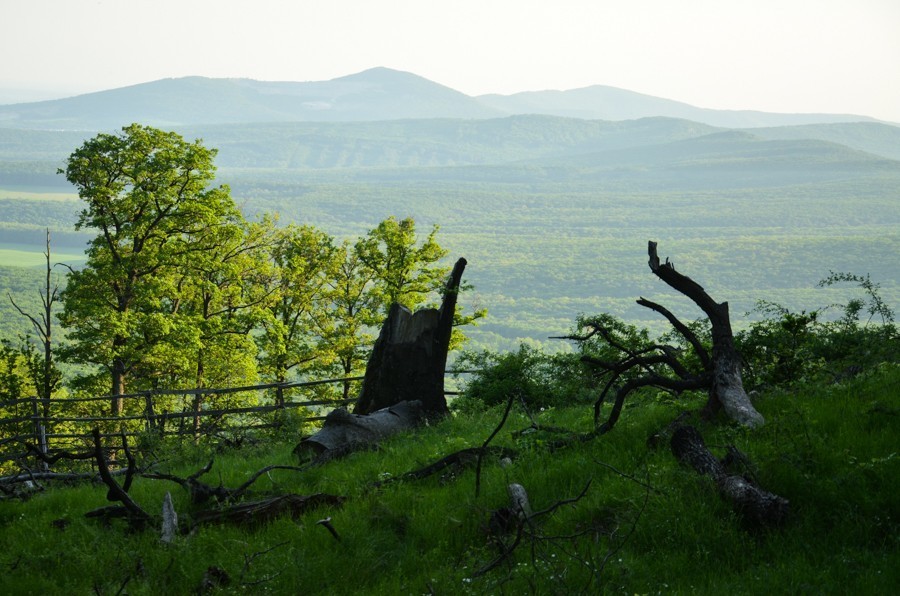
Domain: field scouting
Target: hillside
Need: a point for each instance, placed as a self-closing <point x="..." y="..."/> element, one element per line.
<point x="371" y="95"/>
<point x="376" y="94"/>
<point x="610" y="103"/>
<point x="617" y="515"/>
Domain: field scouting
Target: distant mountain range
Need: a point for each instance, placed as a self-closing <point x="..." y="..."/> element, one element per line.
<point x="377" y="94"/>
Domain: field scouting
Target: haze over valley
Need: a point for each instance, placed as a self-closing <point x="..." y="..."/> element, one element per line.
<point x="551" y="196"/>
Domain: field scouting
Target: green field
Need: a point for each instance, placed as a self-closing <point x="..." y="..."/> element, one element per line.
<point x="37" y="195"/>
<point x="644" y="525"/>
<point x="21" y="255"/>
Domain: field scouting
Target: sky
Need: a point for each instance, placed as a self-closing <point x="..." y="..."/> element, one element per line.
<point x="834" y="56"/>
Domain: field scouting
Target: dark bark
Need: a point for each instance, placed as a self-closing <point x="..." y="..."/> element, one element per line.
<point x="410" y="355"/>
<point x="759" y="508"/>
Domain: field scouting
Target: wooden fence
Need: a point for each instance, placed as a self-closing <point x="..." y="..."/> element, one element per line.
<point x="147" y="418"/>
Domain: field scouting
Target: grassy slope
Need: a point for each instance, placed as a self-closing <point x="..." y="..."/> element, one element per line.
<point x="830" y="450"/>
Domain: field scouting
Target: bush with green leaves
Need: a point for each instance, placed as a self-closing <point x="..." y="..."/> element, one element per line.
<point x="787" y="348"/>
<point x="539" y="380"/>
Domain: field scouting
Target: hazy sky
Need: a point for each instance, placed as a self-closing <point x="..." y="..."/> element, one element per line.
<point x="773" y="55"/>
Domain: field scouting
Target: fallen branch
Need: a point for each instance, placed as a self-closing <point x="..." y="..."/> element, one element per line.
<point x="201" y="492"/>
<point x="458" y="460"/>
<point x="519" y="512"/>
<point x="758" y="507"/>
<point x="258" y="512"/>
<point x="137" y="516"/>
<point x="484" y="445"/>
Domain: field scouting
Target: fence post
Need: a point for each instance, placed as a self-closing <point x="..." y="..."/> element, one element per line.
<point x="40" y="433"/>
<point x="149" y="414"/>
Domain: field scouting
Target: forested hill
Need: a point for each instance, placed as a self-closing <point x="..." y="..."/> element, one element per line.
<point x="553" y="213"/>
<point x="371" y="95"/>
<point x="31" y="157"/>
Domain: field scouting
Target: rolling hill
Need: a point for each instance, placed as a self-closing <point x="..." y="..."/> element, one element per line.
<point x="371" y="95"/>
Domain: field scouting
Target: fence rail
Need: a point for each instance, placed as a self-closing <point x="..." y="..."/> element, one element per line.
<point x="155" y="421"/>
<point x="40" y="433"/>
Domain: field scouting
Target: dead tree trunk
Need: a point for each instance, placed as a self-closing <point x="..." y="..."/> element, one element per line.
<point x="344" y="432"/>
<point x="404" y="381"/>
<point x="410" y="355"/>
<point x="727" y="388"/>
<point x="758" y="507"/>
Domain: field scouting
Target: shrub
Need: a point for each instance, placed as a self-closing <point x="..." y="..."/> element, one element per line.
<point x="538" y="379"/>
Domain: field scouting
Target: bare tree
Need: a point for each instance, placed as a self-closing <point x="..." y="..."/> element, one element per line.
<point x="664" y="367"/>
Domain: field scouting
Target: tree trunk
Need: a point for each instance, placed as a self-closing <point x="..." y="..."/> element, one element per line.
<point x="410" y="355"/>
<point x="118" y="386"/>
<point x="727" y="389"/>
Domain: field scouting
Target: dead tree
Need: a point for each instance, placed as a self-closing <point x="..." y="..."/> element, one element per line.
<point x="660" y="365"/>
<point x="410" y="355"/>
<point x="404" y="381"/>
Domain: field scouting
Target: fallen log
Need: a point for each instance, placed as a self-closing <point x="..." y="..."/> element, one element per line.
<point x="344" y="432"/>
<point x="758" y="508"/>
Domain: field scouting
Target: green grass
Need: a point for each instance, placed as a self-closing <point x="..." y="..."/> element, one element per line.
<point x="831" y="450"/>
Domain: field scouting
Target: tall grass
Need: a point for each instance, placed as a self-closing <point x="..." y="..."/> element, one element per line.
<point x="645" y="525"/>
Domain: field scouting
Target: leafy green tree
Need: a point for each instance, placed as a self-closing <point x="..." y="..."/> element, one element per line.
<point x="223" y="298"/>
<point x="786" y="348"/>
<point x="408" y="272"/>
<point x="351" y="313"/>
<point x="148" y="194"/>
<point x="402" y="270"/>
<point x="304" y="264"/>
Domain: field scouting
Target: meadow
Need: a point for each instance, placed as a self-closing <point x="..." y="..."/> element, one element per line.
<point x="644" y="524"/>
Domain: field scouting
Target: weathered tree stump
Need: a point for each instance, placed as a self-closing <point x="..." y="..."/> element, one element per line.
<point x="404" y="381"/>
<point x="409" y="357"/>
<point x="758" y="507"/>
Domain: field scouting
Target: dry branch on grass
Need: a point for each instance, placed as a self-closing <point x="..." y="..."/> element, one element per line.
<point x="128" y="508"/>
<point x="457" y="461"/>
<point x="259" y="512"/>
<point x="201" y="492"/>
<point x="758" y="507"/>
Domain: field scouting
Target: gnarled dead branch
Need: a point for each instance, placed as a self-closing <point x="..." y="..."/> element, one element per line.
<point x="663" y="366"/>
